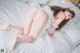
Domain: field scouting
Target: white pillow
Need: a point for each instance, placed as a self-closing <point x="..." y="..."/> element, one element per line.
<point x="73" y="32"/>
<point x="77" y="50"/>
<point x="78" y="25"/>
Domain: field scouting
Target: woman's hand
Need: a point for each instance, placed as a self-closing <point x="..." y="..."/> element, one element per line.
<point x="51" y="31"/>
<point x="56" y="23"/>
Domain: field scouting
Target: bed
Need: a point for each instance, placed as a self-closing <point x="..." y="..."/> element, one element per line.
<point x="9" y="12"/>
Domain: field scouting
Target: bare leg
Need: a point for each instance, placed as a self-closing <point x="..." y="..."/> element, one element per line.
<point x="29" y="19"/>
<point x="16" y="29"/>
<point x="12" y="28"/>
<point x="4" y="26"/>
<point x="11" y="44"/>
<point x="8" y="26"/>
<point x="39" y="21"/>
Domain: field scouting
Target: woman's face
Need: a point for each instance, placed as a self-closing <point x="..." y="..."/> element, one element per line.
<point x="68" y="15"/>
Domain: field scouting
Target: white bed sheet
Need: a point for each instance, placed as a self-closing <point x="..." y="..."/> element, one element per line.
<point x="9" y="12"/>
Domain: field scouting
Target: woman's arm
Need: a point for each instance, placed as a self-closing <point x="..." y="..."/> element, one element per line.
<point x="38" y="22"/>
<point x="56" y="23"/>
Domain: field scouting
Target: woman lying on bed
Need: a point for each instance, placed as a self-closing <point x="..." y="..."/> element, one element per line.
<point x="36" y="19"/>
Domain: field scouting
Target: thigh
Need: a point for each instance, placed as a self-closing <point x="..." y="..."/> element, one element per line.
<point x="39" y="21"/>
<point x="29" y="19"/>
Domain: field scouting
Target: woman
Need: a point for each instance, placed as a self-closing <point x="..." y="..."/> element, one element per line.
<point x="35" y="21"/>
<point x="62" y="16"/>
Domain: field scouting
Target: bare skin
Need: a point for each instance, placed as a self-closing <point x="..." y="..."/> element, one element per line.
<point x="31" y="23"/>
<point x="59" y="18"/>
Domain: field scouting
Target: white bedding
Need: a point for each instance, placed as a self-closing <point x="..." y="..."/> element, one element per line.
<point x="77" y="50"/>
<point x="10" y="12"/>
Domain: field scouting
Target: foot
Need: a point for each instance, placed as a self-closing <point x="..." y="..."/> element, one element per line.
<point x="11" y="44"/>
<point x="4" y="26"/>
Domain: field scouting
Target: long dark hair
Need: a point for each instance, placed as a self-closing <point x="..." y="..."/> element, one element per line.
<point x="56" y="10"/>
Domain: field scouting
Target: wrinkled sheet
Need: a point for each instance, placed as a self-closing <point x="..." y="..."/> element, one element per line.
<point x="14" y="13"/>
